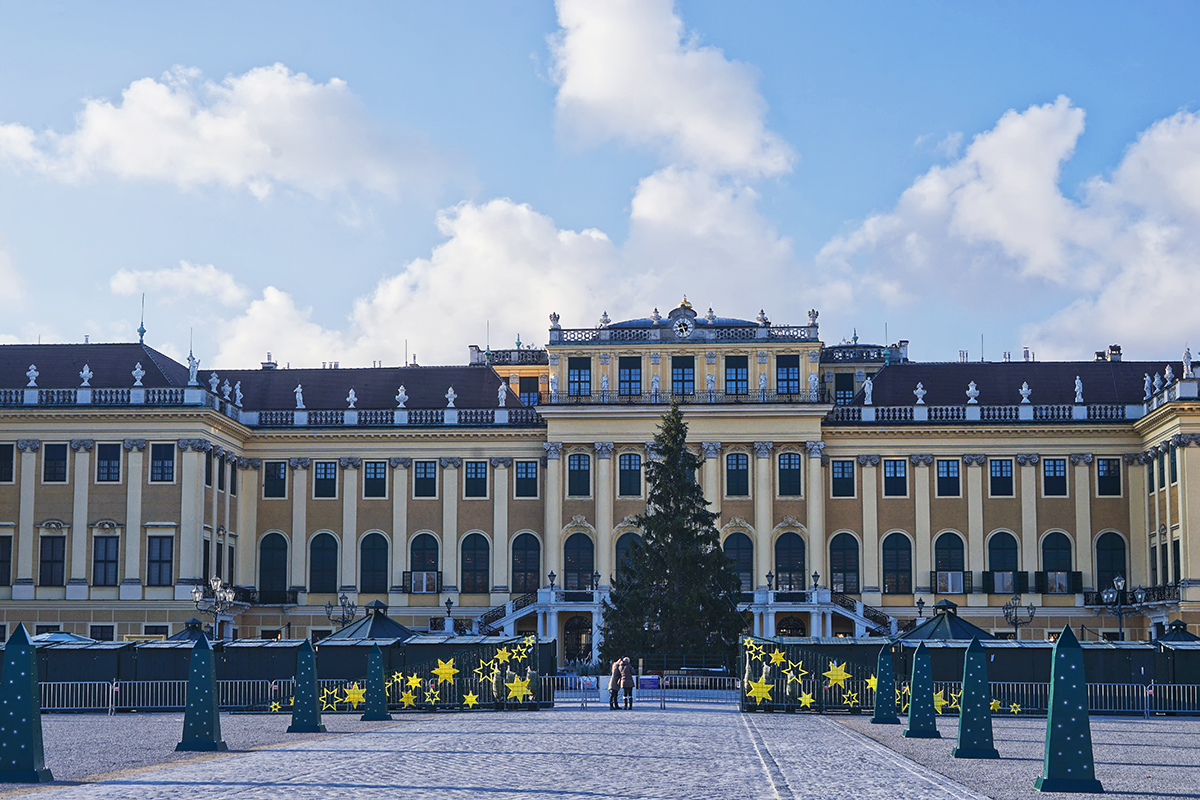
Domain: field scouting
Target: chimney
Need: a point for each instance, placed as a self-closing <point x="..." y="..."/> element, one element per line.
<point x="1025" y="353"/>
<point x="1114" y="352"/>
<point x="903" y="351"/>
<point x="269" y="363"/>
<point x="1101" y="355"/>
<point x="1007" y="356"/>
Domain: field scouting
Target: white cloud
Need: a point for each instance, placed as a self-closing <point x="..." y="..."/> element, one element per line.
<point x="186" y="280"/>
<point x="626" y="71"/>
<point x="266" y="128"/>
<point x="11" y="281"/>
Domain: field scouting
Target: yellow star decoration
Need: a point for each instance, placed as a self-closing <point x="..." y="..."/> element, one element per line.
<point x="806" y="700"/>
<point x="837" y="675"/>
<point x="530" y="640"/>
<point x="408" y="699"/>
<point x="777" y="657"/>
<point x="291" y="701"/>
<point x="955" y="698"/>
<point x="329" y="700"/>
<point x="792" y="677"/>
<point x="445" y="671"/>
<point x="797" y="667"/>
<point x="760" y="690"/>
<point x="753" y="649"/>
<point x="397" y="677"/>
<point x="485" y="670"/>
<point x="431" y="696"/>
<point x="519" y="689"/>
<point x="851" y="698"/>
<point x="387" y="684"/>
<point x="995" y="705"/>
<point x="938" y="701"/>
<point x="414" y="681"/>
<point x="355" y="696"/>
<point x="470" y="700"/>
<point x="502" y="655"/>
<point x="1015" y="708"/>
<point x="906" y="689"/>
<point x="275" y="707"/>
<point x="872" y="683"/>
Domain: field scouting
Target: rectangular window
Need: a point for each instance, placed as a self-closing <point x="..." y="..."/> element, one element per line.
<point x="629" y="376"/>
<point x="737" y="375"/>
<point x="1153" y="565"/>
<point x="1164" y="563"/>
<point x="233" y="478"/>
<point x="1162" y="470"/>
<point x="220" y="552"/>
<point x="1150" y="477"/>
<point x="40" y="629"/>
<point x="1108" y="477"/>
<point x="842" y="473"/>
<point x="1001" y="477"/>
<point x="325" y="479"/>
<point x="895" y="478"/>
<point x="7" y="456"/>
<point x="947" y="478"/>
<point x="1174" y="465"/>
<point x="162" y="463"/>
<point x="275" y="479"/>
<point x="579" y="475"/>
<point x="629" y="475"/>
<point x="54" y="463"/>
<point x="101" y="633"/>
<point x="108" y="463"/>
<point x="206" y="558"/>
<point x="424" y="479"/>
<point x="843" y="387"/>
<point x="1054" y="477"/>
<point x="220" y="474"/>
<point x="475" y="479"/>
<point x="787" y="374"/>
<point x="230" y="564"/>
<point x="683" y="375"/>
<point x="5" y="561"/>
<point x="949" y="583"/>
<point x="737" y="475"/>
<point x="1176" y="568"/>
<point x="53" y="561"/>
<point x="1058" y="582"/>
<point x="156" y="630"/>
<point x="208" y="468"/>
<point x="579" y="376"/>
<point x="789" y="475"/>
<point x="160" y="551"/>
<point x="104" y="561"/>
<point x="374" y="479"/>
<point x="530" y="390"/>
<point x="526" y="479"/>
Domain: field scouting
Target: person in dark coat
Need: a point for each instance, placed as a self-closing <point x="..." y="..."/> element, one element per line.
<point x="627" y="682"/>
<point x="614" y="685"/>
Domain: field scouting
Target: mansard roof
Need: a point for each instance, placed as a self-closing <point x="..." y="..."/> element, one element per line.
<point x="999" y="383"/>
<point x="111" y="365"/>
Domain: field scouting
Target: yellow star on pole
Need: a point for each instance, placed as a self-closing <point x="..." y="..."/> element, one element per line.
<point x="414" y="681"/>
<point x="432" y="697"/>
<point x="445" y="671"/>
<point x="851" y="698"/>
<point x="329" y="700"/>
<point x="484" y="670"/>
<point x="806" y="700"/>
<point x="275" y="706"/>
<point x="872" y="683"/>
<point x="760" y="690"/>
<point x="355" y="696"/>
<point x="995" y="705"/>
<point x="777" y="657"/>
<point x="519" y="688"/>
<point x="502" y="655"/>
<point x="837" y="675"/>
<point x="939" y="700"/>
<point x="798" y="668"/>
<point x="408" y="699"/>
<point x="470" y="700"/>
<point x="1015" y="708"/>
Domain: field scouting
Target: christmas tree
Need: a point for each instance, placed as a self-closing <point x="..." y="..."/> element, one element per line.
<point x="376" y="692"/>
<point x="921" y="722"/>
<point x="21" y="757"/>
<point x="202" y="718"/>
<point x="885" y="689"/>
<point x="975" y="707"/>
<point x="306" y="714"/>
<point x="676" y="592"/>
<point x="1068" y="765"/>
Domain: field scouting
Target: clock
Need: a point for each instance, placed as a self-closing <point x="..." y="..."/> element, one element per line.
<point x="683" y="327"/>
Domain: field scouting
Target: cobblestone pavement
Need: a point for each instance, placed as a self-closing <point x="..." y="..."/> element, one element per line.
<point x="694" y="751"/>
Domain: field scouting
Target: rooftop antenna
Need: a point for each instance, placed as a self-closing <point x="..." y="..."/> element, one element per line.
<point x="487" y="339"/>
<point x="406" y="352"/>
<point x="142" y="325"/>
<point x="981" y="347"/>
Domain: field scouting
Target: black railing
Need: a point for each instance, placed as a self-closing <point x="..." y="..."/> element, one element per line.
<point x="1154" y="594"/>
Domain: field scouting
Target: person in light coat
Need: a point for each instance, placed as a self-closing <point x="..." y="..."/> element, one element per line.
<point x="614" y="685"/>
<point x="627" y="682"/>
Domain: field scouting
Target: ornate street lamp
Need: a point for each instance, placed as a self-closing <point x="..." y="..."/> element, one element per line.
<point x="816" y="579"/>
<point x="1017" y="616"/>
<point x="595" y="581"/>
<point x="770" y="579"/>
<point x="219" y="605"/>
<point x="920" y="606"/>
<point x="552" y="576"/>
<point x="345" y="611"/>
<point x="1114" y="600"/>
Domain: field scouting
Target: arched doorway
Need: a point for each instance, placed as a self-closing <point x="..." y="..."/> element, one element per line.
<point x="578" y="563"/>
<point x="526" y="563"/>
<point x="577" y="640"/>
<point x="740" y="550"/>
<point x="322" y="570"/>
<point x="791" y="626"/>
<point x="374" y="570"/>
<point x="272" y="569"/>
<point x="789" y="562"/>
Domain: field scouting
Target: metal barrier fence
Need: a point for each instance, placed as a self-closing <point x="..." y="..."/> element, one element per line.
<point x="699" y="689"/>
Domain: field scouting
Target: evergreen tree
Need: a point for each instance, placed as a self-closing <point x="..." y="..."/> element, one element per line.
<point x="676" y="593"/>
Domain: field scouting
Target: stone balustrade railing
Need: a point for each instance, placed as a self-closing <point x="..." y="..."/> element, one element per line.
<point x="1094" y="412"/>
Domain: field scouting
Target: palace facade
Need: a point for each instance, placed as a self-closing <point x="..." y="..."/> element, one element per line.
<point x="853" y="484"/>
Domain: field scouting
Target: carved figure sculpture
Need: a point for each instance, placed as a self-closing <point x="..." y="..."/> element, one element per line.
<point x="655" y="385"/>
<point x="710" y="383"/>
<point x="237" y="394"/>
<point x="1168" y="375"/>
<point x="553" y="383"/>
<point x="1147" y="388"/>
<point x="193" y="368"/>
<point x="1188" y="374"/>
<point x="299" y="392"/>
<point x="1158" y="384"/>
<point x="1078" y="390"/>
<point x="502" y="394"/>
<point x="868" y="388"/>
<point x="213" y="380"/>
<point x="604" y="383"/>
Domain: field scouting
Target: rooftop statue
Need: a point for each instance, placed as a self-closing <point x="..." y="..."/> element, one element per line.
<point x="1024" y="391"/>
<point x="1147" y="388"/>
<point x="86" y="374"/>
<point x="1078" y="390"/>
<point x="299" y="392"/>
<point x="237" y="394"/>
<point x="401" y="397"/>
<point x="226" y="388"/>
<point x="972" y="394"/>
<point x="138" y="373"/>
<point x="502" y="394"/>
<point x="920" y="393"/>
<point x="32" y="374"/>
<point x="1187" y="364"/>
<point x="193" y="368"/>
<point x="868" y="388"/>
<point x="351" y="398"/>
<point x="450" y="397"/>
<point x="213" y="380"/>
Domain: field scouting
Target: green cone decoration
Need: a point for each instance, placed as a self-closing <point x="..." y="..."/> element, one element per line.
<point x="1068" y="764"/>
<point x="975" y="704"/>
<point x="202" y="719"/>
<point x="921" y="721"/>
<point x="306" y="714"/>
<point x="376" y="694"/>
<point x="22" y="759"/>
<point x="885" y="689"/>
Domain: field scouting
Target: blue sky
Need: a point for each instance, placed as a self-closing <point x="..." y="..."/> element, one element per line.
<point x="340" y="182"/>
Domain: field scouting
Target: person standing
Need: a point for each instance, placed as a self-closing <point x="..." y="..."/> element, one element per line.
<point x="627" y="682"/>
<point x="614" y="685"/>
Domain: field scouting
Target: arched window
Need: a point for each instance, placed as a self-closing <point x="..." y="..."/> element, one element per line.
<point x="475" y="563"/>
<point x="740" y="550"/>
<point x="374" y="564"/>
<point x="625" y="544"/>
<point x="577" y="562"/>
<point x="577" y="640"/>
<point x="843" y="564"/>
<point x="526" y="563"/>
<point x="789" y="562"/>
<point x="1002" y="561"/>
<point x="1056" y="563"/>
<point x="272" y="569"/>
<point x="948" y="564"/>
<point x="897" y="564"/>
<point x="1110" y="559"/>
<point x="791" y="626"/>
<point x="424" y="553"/>
<point x="323" y="564"/>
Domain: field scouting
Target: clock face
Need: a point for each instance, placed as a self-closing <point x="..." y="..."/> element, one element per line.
<point x="684" y="327"/>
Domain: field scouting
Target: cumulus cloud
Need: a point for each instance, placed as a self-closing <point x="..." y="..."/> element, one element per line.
<point x="10" y="279"/>
<point x="266" y="128"/>
<point x="627" y="70"/>
<point x="186" y="280"/>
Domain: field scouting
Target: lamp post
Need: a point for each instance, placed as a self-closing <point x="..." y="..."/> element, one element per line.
<point x="595" y="581"/>
<point x="770" y="580"/>
<point x="1114" y="600"/>
<point x="219" y="605"/>
<point x="345" y="611"/>
<point x="551" y="576"/>
<point x="816" y="576"/>
<point x="920" y="606"/>
<point x="1017" y="616"/>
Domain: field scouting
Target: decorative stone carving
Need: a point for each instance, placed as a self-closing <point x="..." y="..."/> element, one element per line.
<point x="86" y="374"/>
<point x="502" y="394"/>
<point x="82" y="444"/>
<point x="1076" y="458"/>
<point x="553" y="383"/>
<point x="1146" y="388"/>
<point x="1027" y="458"/>
<point x="921" y="459"/>
<point x="604" y="384"/>
<point x="655" y="388"/>
<point x="1158" y="384"/>
<point x="763" y="383"/>
<point x="399" y="461"/>
<point x="870" y="458"/>
<point x="299" y="392"/>
<point x="299" y="463"/>
<point x="137" y="444"/>
<point x="1024" y="391"/>
<point x="231" y="456"/>
<point x="52" y="525"/>
<point x="761" y="319"/>
<point x="710" y="385"/>
<point x="763" y="449"/>
<point x="604" y="450"/>
<point x="656" y="358"/>
<point x="554" y="320"/>
<point x="710" y="450"/>
<point x="604" y="320"/>
<point x="32" y="374"/>
<point x="351" y="399"/>
<point x="920" y="393"/>
<point x="579" y="521"/>
<point x="1132" y="458"/>
<point x="552" y="359"/>
<point x="605" y="358"/>
<point x="789" y="522"/>
<point x="213" y="380"/>
<point x="249" y="463"/>
<point x="237" y="394"/>
<point x="815" y="449"/>
<point x="553" y="449"/>
<point x="762" y="357"/>
<point x="30" y="445"/>
<point x="226" y="388"/>
<point x="451" y="396"/>
<point x="868" y="389"/>
<point x="106" y="525"/>
<point x="812" y="316"/>
<point x="198" y="445"/>
<point x="218" y="452"/>
<point x="401" y="397"/>
<point x="1168" y="376"/>
<point x="350" y="462"/>
<point x="1078" y="390"/>
<point x="710" y="357"/>
<point x="813" y="385"/>
<point x="501" y="461"/>
<point x="972" y="394"/>
<point x="656" y="317"/>
<point x="974" y="458"/>
<point x="737" y="523"/>
<point x="193" y="368"/>
<point x="1188" y="374"/>
<point x="450" y="462"/>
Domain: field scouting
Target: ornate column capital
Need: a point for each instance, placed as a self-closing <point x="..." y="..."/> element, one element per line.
<point x="604" y="450"/>
<point x="1076" y="458"/>
<point x="198" y="445"/>
<point x="299" y="463"/>
<point x="553" y="449"/>
<point x="710" y="450"/>
<point x="399" y="461"/>
<point x="976" y="458"/>
<point x="871" y="458"/>
<point x="83" y="444"/>
<point x="137" y="444"/>
<point x="448" y="462"/>
<point x="501" y="462"/>
<point x="350" y="462"/>
<point x="249" y="463"/>
<point x="815" y="449"/>
<point x="1027" y="458"/>
<point x="921" y="459"/>
<point x="763" y="449"/>
<point x="31" y="445"/>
